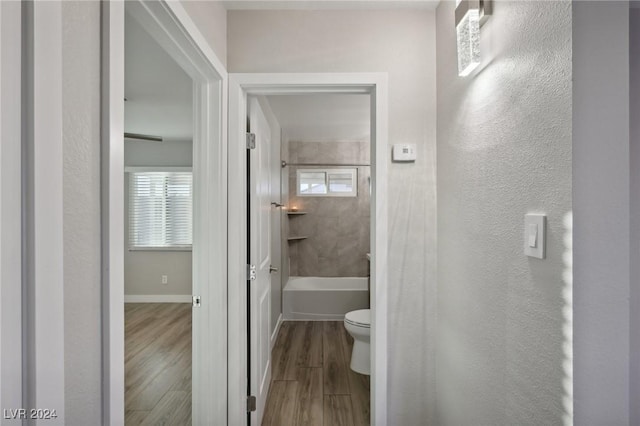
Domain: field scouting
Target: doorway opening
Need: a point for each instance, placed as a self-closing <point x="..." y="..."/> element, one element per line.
<point x="167" y="25"/>
<point x="250" y="336"/>
<point x="158" y="188"/>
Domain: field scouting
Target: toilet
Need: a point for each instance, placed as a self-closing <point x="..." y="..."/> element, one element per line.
<point x="358" y="324"/>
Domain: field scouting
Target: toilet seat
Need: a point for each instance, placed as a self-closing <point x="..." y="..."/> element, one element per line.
<point x="359" y="318"/>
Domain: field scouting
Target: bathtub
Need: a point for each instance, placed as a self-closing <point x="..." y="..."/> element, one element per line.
<point x="320" y="298"/>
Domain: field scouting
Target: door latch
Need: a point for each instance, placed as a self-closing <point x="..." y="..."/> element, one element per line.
<point x="196" y="301"/>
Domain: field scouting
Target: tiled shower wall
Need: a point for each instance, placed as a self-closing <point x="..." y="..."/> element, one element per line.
<point x="337" y="228"/>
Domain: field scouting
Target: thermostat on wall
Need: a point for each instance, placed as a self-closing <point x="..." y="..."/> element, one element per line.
<point x="404" y="152"/>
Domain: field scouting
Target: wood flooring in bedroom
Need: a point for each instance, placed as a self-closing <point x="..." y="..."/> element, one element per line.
<point x="311" y="382"/>
<point x="157" y="364"/>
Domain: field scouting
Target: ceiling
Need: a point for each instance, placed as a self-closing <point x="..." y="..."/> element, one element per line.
<point x="323" y="117"/>
<point x="159" y="93"/>
<point x="329" y="4"/>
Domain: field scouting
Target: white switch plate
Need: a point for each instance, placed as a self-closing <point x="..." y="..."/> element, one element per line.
<point x="535" y="232"/>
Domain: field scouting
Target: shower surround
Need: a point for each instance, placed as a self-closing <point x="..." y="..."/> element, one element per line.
<point x="337" y="228"/>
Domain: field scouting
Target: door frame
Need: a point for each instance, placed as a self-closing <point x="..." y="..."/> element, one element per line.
<point x="11" y="214"/>
<point x="170" y="25"/>
<point x="240" y="86"/>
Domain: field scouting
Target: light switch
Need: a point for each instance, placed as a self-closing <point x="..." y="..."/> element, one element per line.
<point x="534" y="235"/>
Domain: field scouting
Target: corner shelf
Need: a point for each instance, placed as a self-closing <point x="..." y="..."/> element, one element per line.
<point x="297" y="238"/>
<point x="295" y="213"/>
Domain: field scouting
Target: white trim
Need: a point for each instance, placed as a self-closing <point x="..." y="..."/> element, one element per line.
<point x="45" y="280"/>
<point x="112" y="183"/>
<point x="171" y="248"/>
<point x="274" y="335"/>
<point x="169" y="24"/>
<point x="144" y="169"/>
<point x="157" y="298"/>
<point x="240" y="85"/>
<point x="10" y="205"/>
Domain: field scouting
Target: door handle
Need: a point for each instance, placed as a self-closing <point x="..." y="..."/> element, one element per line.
<point x="276" y="205"/>
<point x="272" y="269"/>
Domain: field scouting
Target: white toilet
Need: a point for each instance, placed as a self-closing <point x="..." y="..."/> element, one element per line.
<point x="358" y="324"/>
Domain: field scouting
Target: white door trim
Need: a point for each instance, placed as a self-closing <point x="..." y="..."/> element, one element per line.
<point x="43" y="211"/>
<point x="240" y="85"/>
<point x="170" y="25"/>
<point x="10" y="205"/>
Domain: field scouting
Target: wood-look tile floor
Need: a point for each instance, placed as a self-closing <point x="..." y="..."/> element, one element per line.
<point x="311" y="382"/>
<point x="157" y="364"/>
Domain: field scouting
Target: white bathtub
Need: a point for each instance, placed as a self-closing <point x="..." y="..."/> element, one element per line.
<point x="319" y="298"/>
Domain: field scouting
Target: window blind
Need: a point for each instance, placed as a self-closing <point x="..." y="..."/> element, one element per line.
<point x="160" y="209"/>
<point x="327" y="182"/>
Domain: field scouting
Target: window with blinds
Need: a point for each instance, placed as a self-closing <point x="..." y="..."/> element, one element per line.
<point x="160" y="210"/>
<point x="327" y="182"/>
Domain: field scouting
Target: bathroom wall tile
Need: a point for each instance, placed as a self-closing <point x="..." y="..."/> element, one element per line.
<point x="308" y="152"/>
<point x="338" y="228"/>
<point x="325" y="238"/>
<point x="325" y="267"/>
<point x="364" y="152"/>
<point x="293" y="256"/>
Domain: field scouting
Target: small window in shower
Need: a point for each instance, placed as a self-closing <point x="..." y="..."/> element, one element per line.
<point x="327" y="182"/>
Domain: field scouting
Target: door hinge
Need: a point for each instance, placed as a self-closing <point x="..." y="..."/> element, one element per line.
<point x="251" y="272"/>
<point x="251" y="141"/>
<point x="251" y="403"/>
<point x="196" y="301"/>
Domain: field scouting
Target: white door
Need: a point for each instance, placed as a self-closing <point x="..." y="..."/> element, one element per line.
<point x="276" y="234"/>
<point x="259" y="255"/>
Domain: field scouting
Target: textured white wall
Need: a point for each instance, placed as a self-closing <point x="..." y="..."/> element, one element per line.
<point x="401" y="43"/>
<point x="81" y="180"/>
<point x="634" y="141"/>
<point x="81" y="127"/>
<point x="601" y="212"/>
<point x="504" y="149"/>
<point x="211" y="19"/>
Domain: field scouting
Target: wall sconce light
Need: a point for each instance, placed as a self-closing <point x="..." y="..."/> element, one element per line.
<point x="470" y="15"/>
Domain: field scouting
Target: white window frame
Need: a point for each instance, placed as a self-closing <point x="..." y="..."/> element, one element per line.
<point x="327" y="172"/>
<point x="174" y="247"/>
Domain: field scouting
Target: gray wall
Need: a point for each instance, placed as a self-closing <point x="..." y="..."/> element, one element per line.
<point x="211" y="19"/>
<point x="401" y="43"/>
<point x="504" y="150"/>
<point x="338" y="228"/>
<point x="81" y="127"/>
<point x="634" y="140"/>
<point x="81" y="192"/>
<point x="601" y="184"/>
<point x="143" y="270"/>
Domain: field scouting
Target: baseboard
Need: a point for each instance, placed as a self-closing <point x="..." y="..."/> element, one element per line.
<point x="157" y="298"/>
<point x="274" y="335"/>
<point x="304" y="316"/>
